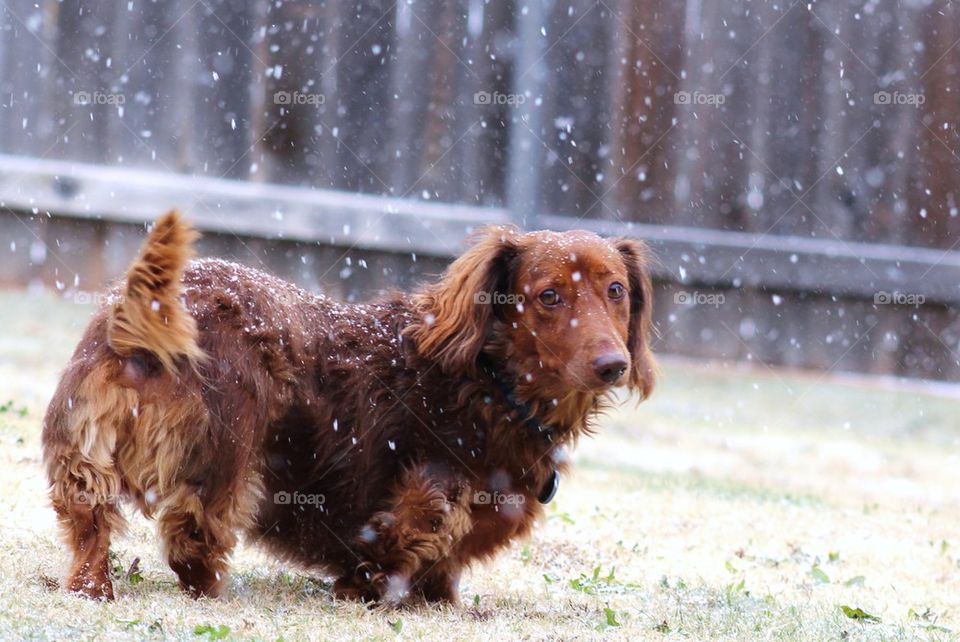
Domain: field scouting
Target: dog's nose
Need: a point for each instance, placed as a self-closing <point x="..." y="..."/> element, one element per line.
<point x="610" y="367"/>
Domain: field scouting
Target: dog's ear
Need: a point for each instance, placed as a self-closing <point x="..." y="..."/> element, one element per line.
<point x="456" y="314"/>
<point x="643" y="368"/>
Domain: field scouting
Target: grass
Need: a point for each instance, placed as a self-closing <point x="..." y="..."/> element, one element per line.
<point x="739" y="503"/>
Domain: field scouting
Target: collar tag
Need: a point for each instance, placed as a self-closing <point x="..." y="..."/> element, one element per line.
<point x="549" y="490"/>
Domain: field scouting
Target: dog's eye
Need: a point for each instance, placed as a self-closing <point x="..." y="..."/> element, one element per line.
<point x="616" y="291"/>
<point x="549" y="297"/>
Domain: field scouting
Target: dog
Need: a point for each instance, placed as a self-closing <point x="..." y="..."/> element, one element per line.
<point x="389" y="445"/>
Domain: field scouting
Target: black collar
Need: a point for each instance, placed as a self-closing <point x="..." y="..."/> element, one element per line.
<point x="523" y="411"/>
<point x="533" y="423"/>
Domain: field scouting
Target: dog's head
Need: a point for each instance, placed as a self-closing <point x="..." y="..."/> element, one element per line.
<point x="570" y="311"/>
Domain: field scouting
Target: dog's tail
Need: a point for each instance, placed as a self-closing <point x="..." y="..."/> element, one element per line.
<point x="150" y="315"/>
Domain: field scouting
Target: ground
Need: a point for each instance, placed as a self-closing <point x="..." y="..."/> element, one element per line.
<point x="739" y="503"/>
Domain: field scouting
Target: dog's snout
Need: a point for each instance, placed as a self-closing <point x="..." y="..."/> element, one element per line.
<point x="610" y="367"/>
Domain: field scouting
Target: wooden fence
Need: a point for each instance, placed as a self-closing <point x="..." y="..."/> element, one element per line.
<point x="795" y="158"/>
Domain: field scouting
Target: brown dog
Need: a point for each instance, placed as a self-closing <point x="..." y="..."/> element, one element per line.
<point x="388" y="444"/>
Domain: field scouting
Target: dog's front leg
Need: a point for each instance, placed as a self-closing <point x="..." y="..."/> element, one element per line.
<point x="409" y="547"/>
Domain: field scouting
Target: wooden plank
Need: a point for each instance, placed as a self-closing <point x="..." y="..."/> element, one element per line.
<point x="527" y="157"/>
<point x="20" y="251"/>
<point x="149" y="59"/>
<point x="574" y="122"/>
<point x="30" y="96"/>
<point x="221" y="64"/>
<point x="934" y="213"/>
<point x="89" y="101"/>
<point x="485" y="148"/>
<point x="643" y="84"/>
<point x="299" y="106"/>
<point x="363" y="36"/>
<point x="427" y="116"/>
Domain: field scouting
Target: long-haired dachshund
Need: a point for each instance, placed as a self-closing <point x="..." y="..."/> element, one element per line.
<point x="389" y="444"/>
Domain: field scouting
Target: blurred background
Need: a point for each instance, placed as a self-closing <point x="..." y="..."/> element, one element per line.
<point x="792" y="164"/>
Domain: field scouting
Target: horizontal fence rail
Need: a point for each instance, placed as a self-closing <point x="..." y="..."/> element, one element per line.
<point x="684" y="255"/>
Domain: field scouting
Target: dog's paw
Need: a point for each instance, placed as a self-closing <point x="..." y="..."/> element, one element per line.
<point x="376" y="588"/>
<point x="210" y="590"/>
<point x="440" y="588"/>
<point x="199" y="580"/>
<point x="347" y="588"/>
<point x="90" y="587"/>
